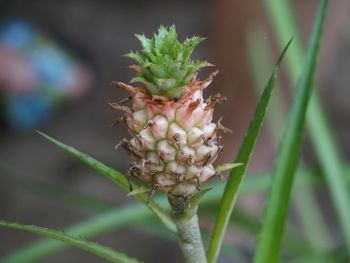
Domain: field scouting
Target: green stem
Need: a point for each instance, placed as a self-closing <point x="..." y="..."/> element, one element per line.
<point x="189" y="235"/>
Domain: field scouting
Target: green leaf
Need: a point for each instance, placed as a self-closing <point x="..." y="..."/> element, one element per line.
<point x="51" y="191"/>
<point x="132" y="213"/>
<point x="145" y="42"/>
<point x="275" y="214"/>
<point x="107" y="171"/>
<point x="245" y="221"/>
<point x="94" y="226"/>
<point x="95" y="248"/>
<point x="260" y="56"/>
<point x="194" y="202"/>
<point x="312" y="223"/>
<point x="189" y="45"/>
<point x="227" y="166"/>
<point x="234" y="181"/>
<point x="320" y="129"/>
<point x="142" y="189"/>
<point x="135" y="56"/>
<point x="117" y="178"/>
<point x="164" y="57"/>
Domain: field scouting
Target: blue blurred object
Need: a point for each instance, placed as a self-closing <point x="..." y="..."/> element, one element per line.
<point x="56" y="70"/>
<point x="29" y="110"/>
<point x="36" y="75"/>
<point x="16" y="34"/>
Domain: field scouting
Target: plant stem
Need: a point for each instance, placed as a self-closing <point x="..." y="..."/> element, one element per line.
<point x="189" y="235"/>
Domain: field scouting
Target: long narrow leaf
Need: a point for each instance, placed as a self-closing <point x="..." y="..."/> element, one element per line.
<point x="117" y="178"/>
<point x="233" y="184"/>
<point x="269" y="242"/>
<point x="94" y="226"/>
<point x="248" y="223"/>
<point x="320" y="130"/>
<point x="92" y="247"/>
<point x="261" y="61"/>
<point x="53" y="192"/>
<point x="132" y="213"/>
<point x="313" y="223"/>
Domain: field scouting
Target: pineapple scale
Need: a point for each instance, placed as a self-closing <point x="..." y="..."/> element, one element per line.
<point x="174" y="142"/>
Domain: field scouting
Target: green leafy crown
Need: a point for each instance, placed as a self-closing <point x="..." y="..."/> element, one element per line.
<point x="165" y="67"/>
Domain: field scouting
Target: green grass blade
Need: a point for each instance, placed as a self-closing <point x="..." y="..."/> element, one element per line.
<point x="313" y="223"/>
<point x="103" y="223"/>
<point x="92" y="247"/>
<point x="236" y="176"/>
<point x="52" y="192"/>
<point x="294" y="243"/>
<point x="117" y="178"/>
<point x="269" y="242"/>
<point x="136" y="212"/>
<point x="314" y="226"/>
<point x="335" y="255"/>
<point x="107" y="171"/>
<point x="319" y="127"/>
<point x="261" y="62"/>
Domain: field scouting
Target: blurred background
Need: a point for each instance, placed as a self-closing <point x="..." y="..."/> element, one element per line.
<point x="57" y="60"/>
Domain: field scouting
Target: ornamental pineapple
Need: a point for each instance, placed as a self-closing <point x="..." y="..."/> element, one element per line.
<point x="174" y="141"/>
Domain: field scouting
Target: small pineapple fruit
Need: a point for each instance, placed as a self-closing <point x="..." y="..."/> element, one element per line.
<point x="174" y="141"/>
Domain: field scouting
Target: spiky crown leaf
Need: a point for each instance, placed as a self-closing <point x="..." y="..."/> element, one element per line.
<point x="165" y="66"/>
